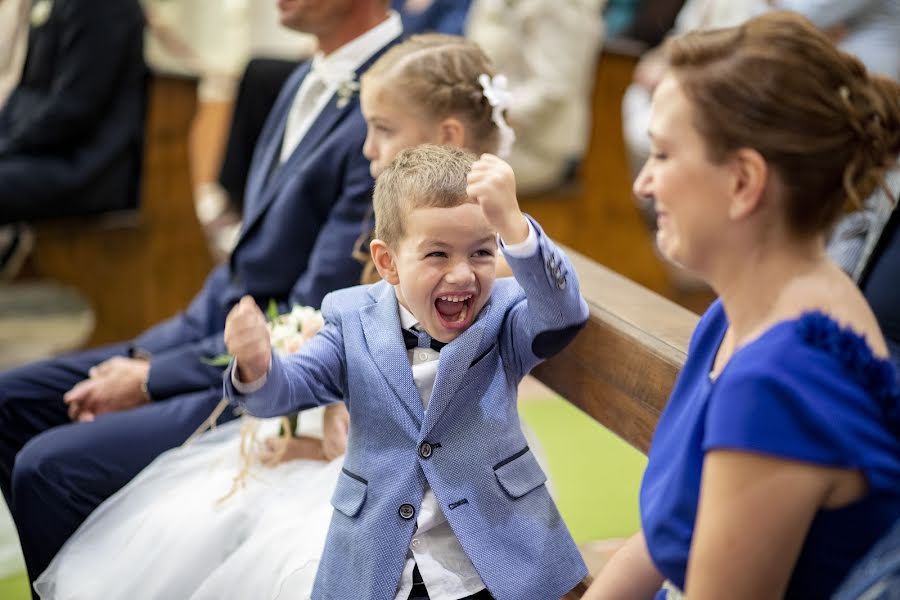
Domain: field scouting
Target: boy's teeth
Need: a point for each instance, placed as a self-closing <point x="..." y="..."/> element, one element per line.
<point x="451" y="299"/>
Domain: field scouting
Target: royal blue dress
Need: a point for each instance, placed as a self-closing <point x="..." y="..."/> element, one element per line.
<point x="805" y="390"/>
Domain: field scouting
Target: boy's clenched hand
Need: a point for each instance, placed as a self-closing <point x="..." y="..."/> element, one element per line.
<point x="492" y="184"/>
<point x="247" y="340"/>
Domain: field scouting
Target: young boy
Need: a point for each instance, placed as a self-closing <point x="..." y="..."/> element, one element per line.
<point x="440" y="496"/>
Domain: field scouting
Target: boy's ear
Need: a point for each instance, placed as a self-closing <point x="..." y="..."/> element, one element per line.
<point x="451" y="132"/>
<point x="384" y="261"/>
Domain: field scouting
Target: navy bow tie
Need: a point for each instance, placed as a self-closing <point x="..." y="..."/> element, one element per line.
<point x="412" y="340"/>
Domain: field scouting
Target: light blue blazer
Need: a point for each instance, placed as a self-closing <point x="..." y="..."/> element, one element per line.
<point x="477" y="462"/>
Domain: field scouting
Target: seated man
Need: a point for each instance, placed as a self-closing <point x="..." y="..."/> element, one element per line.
<point x="75" y="429"/>
<point x="71" y="132"/>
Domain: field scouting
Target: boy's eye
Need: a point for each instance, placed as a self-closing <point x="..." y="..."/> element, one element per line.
<point x="658" y="155"/>
<point x="483" y="253"/>
<point x="437" y="254"/>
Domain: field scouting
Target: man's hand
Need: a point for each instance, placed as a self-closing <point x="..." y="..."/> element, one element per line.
<point x="247" y="339"/>
<point x="492" y="184"/>
<point x="335" y="429"/>
<point x="114" y="385"/>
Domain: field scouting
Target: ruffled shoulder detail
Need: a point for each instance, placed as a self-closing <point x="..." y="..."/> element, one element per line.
<point x="875" y="374"/>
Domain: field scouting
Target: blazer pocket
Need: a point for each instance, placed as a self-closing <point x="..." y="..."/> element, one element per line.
<point x="349" y="494"/>
<point x="520" y="473"/>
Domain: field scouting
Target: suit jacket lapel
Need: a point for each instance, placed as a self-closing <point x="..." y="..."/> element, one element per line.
<point x="268" y="177"/>
<point x="453" y="367"/>
<point x="265" y="157"/>
<point x="381" y="325"/>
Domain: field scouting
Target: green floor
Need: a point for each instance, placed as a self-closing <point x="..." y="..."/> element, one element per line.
<point x="595" y="477"/>
<point x="14" y="588"/>
<point x="595" y="474"/>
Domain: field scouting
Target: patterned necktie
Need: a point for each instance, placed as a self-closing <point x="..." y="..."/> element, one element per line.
<point x="420" y="339"/>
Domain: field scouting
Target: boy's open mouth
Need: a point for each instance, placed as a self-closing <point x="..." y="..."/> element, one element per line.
<point x="454" y="310"/>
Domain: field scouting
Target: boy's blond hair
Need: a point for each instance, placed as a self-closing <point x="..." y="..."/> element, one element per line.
<point x="439" y="73"/>
<point x="423" y="176"/>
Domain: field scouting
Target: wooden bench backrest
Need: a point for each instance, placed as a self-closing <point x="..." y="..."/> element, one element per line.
<point x="621" y="368"/>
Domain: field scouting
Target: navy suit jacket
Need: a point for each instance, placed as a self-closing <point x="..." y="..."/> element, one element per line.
<point x="71" y="133"/>
<point x="485" y="479"/>
<point x="301" y="221"/>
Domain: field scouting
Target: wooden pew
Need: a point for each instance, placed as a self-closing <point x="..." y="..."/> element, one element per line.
<point x="139" y="267"/>
<point x="621" y="368"/>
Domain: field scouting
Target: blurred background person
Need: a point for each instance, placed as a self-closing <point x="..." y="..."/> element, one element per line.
<point x="548" y="51"/>
<point x="71" y="131"/>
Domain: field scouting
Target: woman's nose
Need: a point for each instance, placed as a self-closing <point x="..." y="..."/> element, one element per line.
<point x="641" y="186"/>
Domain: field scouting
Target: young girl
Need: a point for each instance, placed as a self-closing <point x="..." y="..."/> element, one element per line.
<point x="179" y="529"/>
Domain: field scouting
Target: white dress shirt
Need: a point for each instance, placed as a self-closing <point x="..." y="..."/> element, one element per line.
<point x="334" y="70"/>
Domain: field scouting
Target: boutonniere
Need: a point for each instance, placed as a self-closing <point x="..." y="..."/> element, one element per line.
<point x="40" y="12"/>
<point x="346" y="90"/>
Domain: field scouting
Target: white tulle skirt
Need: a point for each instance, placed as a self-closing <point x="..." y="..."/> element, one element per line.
<point x="169" y="535"/>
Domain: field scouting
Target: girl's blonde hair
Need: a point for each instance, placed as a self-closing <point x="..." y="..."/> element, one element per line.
<point x="439" y="73"/>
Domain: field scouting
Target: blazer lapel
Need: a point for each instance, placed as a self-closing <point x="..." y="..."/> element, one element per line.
<point x="267" y="177"/>
<point x="265" y="159"/>
<point x="381" y="325"/>
<point x="453" y="366"/>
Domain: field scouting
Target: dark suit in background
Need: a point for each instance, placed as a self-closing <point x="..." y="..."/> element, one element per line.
<point x="301" y="221"/>
<point x="71" y="134"/>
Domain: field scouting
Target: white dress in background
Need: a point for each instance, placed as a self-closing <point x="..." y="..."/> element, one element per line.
<point x="11" y="561"/>
<point x="168" y="535"/>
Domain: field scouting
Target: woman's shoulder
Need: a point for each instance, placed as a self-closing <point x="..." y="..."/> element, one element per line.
<point x="808" y="389"/>
<point x="815" y="346"/>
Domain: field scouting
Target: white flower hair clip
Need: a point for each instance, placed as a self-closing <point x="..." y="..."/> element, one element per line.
<point x="497" y="93"/>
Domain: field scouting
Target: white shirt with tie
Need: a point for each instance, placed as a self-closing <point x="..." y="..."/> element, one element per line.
<point x="327" y="74"/>
<point x="447" y="572"/>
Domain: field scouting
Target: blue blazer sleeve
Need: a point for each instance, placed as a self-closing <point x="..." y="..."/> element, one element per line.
<point x="311" y="377"/>
<point x="184" y="368"/>
<point x="552" y="312"/>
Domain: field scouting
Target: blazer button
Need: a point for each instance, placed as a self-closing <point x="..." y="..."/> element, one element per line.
<point x="407" y="511"/>
<point x="425" y="450"/>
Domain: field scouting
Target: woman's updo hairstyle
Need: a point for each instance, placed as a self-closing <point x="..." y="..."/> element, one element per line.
<point x="778" y="85"/>
<point x="439" y="73"/>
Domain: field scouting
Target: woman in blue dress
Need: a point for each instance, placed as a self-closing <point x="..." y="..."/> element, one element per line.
<point x="776" y="463"/>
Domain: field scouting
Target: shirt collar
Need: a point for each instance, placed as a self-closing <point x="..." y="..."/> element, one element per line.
<point x="341" y="65"/>
<point x="407" y="319"/>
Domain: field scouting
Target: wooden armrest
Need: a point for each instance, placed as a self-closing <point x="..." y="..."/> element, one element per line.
<point x="621" y="368"/>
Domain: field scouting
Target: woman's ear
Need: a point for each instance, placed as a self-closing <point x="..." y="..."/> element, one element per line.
<point x="750" y="178"/>
<point x="451" y="132"/>
<point x="383" y="257"/>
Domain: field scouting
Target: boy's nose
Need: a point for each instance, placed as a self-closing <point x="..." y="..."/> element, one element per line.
<point x="460" y="273"/>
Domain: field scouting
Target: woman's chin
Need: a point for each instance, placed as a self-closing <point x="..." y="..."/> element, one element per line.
<point x="666" y="247"/>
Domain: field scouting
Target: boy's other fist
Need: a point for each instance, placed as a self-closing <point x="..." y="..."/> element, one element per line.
<point x="492" y="184"/>
<point x="247" y="339"/>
